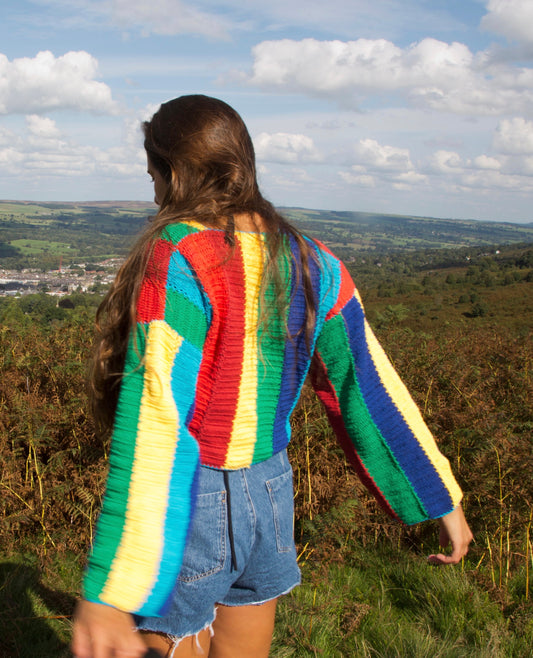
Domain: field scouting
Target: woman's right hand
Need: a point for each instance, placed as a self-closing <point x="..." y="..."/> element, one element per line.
<point x="101" y="631"/>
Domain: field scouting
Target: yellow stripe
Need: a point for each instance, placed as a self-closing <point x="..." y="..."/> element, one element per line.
<point x="136" y="563"/>
<point x="411" y="414"/>
<point x="241" y="447"/>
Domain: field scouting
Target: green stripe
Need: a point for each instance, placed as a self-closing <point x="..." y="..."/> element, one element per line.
<point x="112" y="518"/>
<point x="271" y="350"/>
<point x="371" y="446"/>
<point x="185" y="318"/>
<point x="175" y="232"/>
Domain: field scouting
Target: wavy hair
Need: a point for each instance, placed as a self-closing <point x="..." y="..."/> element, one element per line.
<point x="202" y="149"/>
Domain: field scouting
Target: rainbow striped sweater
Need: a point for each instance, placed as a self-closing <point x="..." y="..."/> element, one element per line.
<point x="206" y="383"/>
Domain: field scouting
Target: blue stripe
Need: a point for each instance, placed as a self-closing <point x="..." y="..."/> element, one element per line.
<point x="409" y="454"/>
<point x="296" y="357"/>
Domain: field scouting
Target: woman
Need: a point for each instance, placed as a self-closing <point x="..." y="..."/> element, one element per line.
<point x="214" y="321"/>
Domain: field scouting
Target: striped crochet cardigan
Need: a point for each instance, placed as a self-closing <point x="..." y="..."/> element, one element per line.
<point x="206" y="383"/>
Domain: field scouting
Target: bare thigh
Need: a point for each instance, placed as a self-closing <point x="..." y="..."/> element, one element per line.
<point x="238" y="632"/>
<point x="243" y="631"/>
<point x="192" y="645"/>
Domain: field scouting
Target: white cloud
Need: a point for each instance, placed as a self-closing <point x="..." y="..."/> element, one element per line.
<point x="490" y="181"/>
<point x="216" y="19"/>
<point x="42" y="150"/>
<point x="375" y="162"/>
<point x="168" y="17"/>
<point x="483" y="174"/>
<point x="514" y="137"/>
<point x="6" y="137"/>
<point x="363" y="180"/>
<point x="285" y="148"/>
<point x="445" y="162"/>
<point x="42" y="126"/>
<point x="377" y="156"/>
<point x="46" y="82"/>
<point x="430" y="74"/>
<point x="163" y="17"/>
<point x="411" y="178"/>
<point x="487" y="162"/>
<point x="10" y="157"/>
<point x="511" y="18"/>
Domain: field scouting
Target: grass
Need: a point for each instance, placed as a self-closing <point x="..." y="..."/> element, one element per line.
<point x="372" y="602"/>
<point x="386" y="604"/>
<point x="26" y="209"/>
<point x="36" y="605"/>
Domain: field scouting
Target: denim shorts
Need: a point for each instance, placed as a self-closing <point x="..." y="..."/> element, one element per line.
<point x="241" y="547"/>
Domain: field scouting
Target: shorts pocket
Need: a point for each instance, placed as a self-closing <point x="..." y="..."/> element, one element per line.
<point x="281" y="496"/>
<point x="205" y="552"/>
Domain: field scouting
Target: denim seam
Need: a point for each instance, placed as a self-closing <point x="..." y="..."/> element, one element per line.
<point x="282" y="548"/>
<point x="251" y="508"/>
<point x="221" y="527"/>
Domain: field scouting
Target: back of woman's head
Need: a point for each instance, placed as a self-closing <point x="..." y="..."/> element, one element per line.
<point x="204" y="152"/>
<point x="202" y="149"/>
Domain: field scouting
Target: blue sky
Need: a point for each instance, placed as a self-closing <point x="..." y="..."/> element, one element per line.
<point x="420" y="107"/>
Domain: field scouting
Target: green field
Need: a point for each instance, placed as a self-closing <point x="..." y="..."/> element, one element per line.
<point x="34" y="247"/>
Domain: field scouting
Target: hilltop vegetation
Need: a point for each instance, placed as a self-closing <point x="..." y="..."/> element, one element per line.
<point x="38" y="235"/>
<point x="346" y="231"/>
<point x="456" y="323"/>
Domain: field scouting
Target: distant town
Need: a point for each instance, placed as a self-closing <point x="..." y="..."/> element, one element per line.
<point x="79" y="277"/>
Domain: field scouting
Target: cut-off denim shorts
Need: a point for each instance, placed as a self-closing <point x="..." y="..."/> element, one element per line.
<point x="241" y="547"/>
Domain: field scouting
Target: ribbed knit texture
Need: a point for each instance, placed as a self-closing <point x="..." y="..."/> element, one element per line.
<point x="206" y="382"/>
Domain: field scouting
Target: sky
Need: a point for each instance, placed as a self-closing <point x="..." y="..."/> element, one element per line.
<point x="415" y="107"/>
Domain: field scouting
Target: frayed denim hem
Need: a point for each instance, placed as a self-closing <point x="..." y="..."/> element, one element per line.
<point x="175" y="641"/>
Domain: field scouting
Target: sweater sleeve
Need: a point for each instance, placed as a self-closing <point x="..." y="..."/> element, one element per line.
<point x="379" y="426"/>
<point x="153" y="465"/>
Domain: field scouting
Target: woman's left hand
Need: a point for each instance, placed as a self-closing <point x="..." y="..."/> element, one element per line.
<point x="454" y="530"/>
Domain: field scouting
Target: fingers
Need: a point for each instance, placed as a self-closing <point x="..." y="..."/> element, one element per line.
<point x="102" y="648"/>
<point x="81" y="643"/>
<point x="104" y="632"/>
<point x="441" y="558"/>
<point x="455" y="530"/>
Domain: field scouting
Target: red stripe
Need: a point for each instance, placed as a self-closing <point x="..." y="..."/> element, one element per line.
<point x="325" y="391"/>
<point x="220" y="372"/>
<point x="151" y="304"/>
<point x="346" y="292"/>
<point x="347" y="287"/>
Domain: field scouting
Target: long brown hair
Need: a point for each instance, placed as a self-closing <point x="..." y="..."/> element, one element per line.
<point x="202" y="149"/>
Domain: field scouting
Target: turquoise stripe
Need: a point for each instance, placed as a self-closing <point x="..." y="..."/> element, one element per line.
<point x="330" y="283"/>
<point x="181" y="279"/>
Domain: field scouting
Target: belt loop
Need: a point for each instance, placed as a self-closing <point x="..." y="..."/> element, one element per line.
<point x="230" y="524"/>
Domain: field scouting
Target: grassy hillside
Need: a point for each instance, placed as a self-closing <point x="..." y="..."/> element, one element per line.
<point x="456" y="324"/>
<point x="67" y="231"/>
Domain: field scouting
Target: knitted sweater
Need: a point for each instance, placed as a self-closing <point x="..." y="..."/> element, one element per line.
<point x="206" y="381"/>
